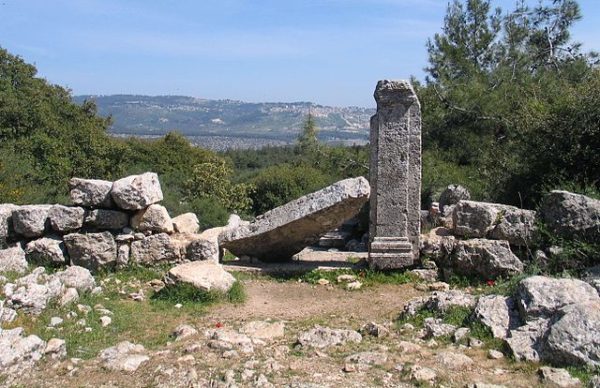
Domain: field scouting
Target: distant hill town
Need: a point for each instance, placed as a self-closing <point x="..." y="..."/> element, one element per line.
<point x="221" y="124"/>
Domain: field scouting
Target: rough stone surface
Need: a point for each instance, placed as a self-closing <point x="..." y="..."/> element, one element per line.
<point x="19" y="352"/>
<point x="6" y="224"/>
<point x="540" y="296"/>
<point x="526" y="342"/>
<point x="6" y="313"/>
<point x="77" y="277"/>
<point x="183" y="331"/>
<point x="90" y="192"/>
<point x="452" y="195"/>
<point x="498" y="313"/>
<point x="437" y="328"/>
<point x="56" y="349"/>
<point x="362" y="361"/>
<point x="155" y="249"/>
<point x="264" y="330"/>
<point x="66" y="218"/>
<point x="226" y="339"/>
<point x="574" y="339"/>
<point x="123" y="255"/>
<point x="558" y="377"/>
<point x="46" y="251"/>
<point x="31" y="293"/>
<point x="517" y="226"/>
<point x="203" y="275"/>
<point x="487" y="259"/>
<point x="30" y="220"/>
<point x="284" y="231"/>
<point x="186" y="223"/>
<point x="92" y="250"/>
<point x="454" y="361"/>
<point x="13" y="260"/>
<point x="154" y="218"/>
<point x="107" y="219"/>
<point x="324" y="337"/>
<point x="125" y="357"/>
<point x="202" y="249"/>
<point x="137" y="191"/>
<point x="568" y="215"/>
<point x="395" y="171"/>
<point x="437" y="245"/>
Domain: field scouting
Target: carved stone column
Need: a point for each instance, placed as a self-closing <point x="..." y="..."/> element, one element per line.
<point x="395" y="177"/>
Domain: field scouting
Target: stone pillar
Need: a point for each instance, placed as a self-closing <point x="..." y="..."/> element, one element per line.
<point x="395" y="177"/>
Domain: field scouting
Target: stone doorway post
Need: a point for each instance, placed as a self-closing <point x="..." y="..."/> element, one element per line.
<point x="395" y="177"/>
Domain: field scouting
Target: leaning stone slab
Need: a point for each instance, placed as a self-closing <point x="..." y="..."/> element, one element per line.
<point x="30" y="220"/>
<point x="107" y="219"/>
<point x="92" y="250"/>
<point x="90" y="192"/>
<point x="45" y="250"/>
<point x="498" y="313"/>
<point x="154" y="218"/>
<point x="203" y="275"/>
<point x="541" y="296"/>
<point x="284" y="231"/>
<point x="137" y="191"/>
<point x="527" y="342"/>
<point x="569" y="215"/>
<point x="156" y="249"/>
<point x="13" y="260"/>
<point x="66" y="218"/>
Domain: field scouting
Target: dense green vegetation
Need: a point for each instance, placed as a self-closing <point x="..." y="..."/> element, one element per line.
<point x="510" y="110"/>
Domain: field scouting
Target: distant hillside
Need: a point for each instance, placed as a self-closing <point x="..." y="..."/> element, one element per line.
<point x="239" y="124"/>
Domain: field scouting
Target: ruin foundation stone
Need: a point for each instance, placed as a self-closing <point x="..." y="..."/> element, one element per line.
<point x="284" y="231"/>
<point x="395" y="176"/>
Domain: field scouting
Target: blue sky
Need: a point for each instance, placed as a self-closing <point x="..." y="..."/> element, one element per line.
<point x="326" y="51"/>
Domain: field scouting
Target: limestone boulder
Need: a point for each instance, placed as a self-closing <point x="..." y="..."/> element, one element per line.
<point x="452" y="195"/>
<point x="32" y="293"/>
<point x="574" y="339"/>
<point x="31" y="220"/>
<point x="77" y="277"/>
<point x="437" y="245"/>
<point x="19" y="352"/>
<point x="284" y="231"/>
<point x="154" y="218"/>
<point x="526" y="343"/>
<point x="541" y="296"/>
<point x="137" y="192"/>
<point x="124" y="357"/>
<point x="488" y="259"/>
<point x="66" y="218"/>
<point x="569" y="215"/>
<point x="7" y="314"/>
<point x="186" y="223"/>
<point x="46" y="250"/>
<point x="105" y="219"/>
<point x="6" y="224"/>
<point x="90" y="192"/>
<point x="324" y="337"/>
<point x="498" y="313"/>
<point x="93" y="251"/>
<point x="473" y="219"/>
<point x="203" y="275"/>
<point x="156" y="249"/>
<point x="13" y="260"/>
<point x="558" y="377"/>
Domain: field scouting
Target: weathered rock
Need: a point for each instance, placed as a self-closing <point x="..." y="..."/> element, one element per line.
<point x="66" y="218"/>
<point x="155" y="249"/>
<point x="92" y="250"/>
<point x="107" y="219"/>
<point x="77" y="277"/>
<point x="123" y="255"/>
<point x="6" y="313"/>
<point x="495" y="354"/>
<point x="286" y="230"/>
<point x="30" y="220"/>
<point x="574" y="339"/>
<point x="186" y="223"/>
<point x="324" y="337"/>
<point x="558" y="377"/>
<point x="473" y="219"/>
<point x="395" y="171"/>
<point x="428" y="275"/>
<point x="374" y="329"/>
<point x="183" y="331"/>
<point x="6" y="224"/>
<point x="498" y="313"/>
<point x="264" y="330"/>
<point x="46" y="251"/>
<point x="422" y="374"/>
<point x="70" y="295"/>
<point x="154" y="218"/>
<point x="526" y="342"/>
<point x="13" y="260"/>
<point x="437" y="328"/>
<point x="452" y="195"/>
<point x="454" y="361"/>
<point x="32" y="292"/>
<point x="56" y="349"/>
<point x="487" y="259"/>
<point x="540" y="296"/>
<point x="594" y="382"/>
<point x="125" y="356"/>
<point x="225" y="339"/>
<point x="90" y="192"/>
<point x="202" y="249"/>
<point x="137" y="191"/>
<point x="437" y="245"/>
<point x="460" y="334"/>
<point x="205" y="276"/>
<point x="19" y="352"/>
<point x="362" y="361"/>
<point x="444" y="300"/>
<point x="568" y="215"/>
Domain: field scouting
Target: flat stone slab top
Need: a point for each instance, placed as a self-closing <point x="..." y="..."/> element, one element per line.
<point x="284" y="231"/>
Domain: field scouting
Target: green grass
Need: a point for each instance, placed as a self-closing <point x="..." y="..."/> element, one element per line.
<point x="366" y="276"/>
